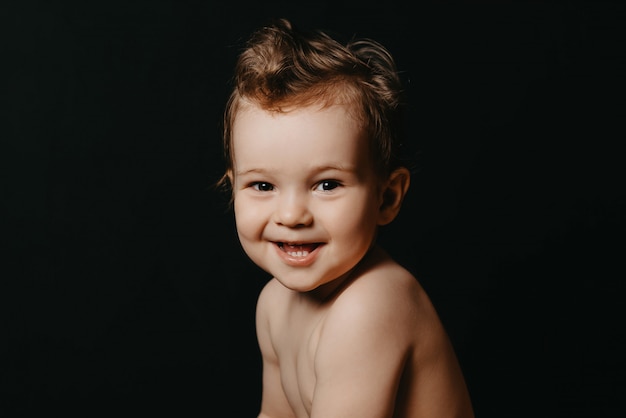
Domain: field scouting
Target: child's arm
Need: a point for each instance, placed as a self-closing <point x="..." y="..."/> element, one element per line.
<point x="359" y="362"/>
<point x="273" y="401"/>
<point x="378" y="341"/>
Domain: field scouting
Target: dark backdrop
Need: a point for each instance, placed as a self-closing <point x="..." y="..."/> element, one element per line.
<point x="124" y="290"/>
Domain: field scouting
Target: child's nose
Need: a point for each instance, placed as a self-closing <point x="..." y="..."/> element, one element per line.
<point x="293" y="211"/>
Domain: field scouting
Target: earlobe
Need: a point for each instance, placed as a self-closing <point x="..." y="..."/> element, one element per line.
<point x="393" y="195"/>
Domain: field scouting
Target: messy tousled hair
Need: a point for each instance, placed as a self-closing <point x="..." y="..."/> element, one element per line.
<point x="282" y="68"/>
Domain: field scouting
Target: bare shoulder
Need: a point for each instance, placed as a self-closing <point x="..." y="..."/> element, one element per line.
<point x="385" y="293"/>
<point x="387" y="303"/>
<point x="270" y="291"/>
<point x="386" y="313"/>
<point x="272" y="297"/>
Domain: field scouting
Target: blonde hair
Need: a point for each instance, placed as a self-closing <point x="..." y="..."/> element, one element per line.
<point x="282" y="67"/>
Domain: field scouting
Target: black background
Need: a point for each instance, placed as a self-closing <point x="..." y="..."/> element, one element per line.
<point x="124" y="289"/>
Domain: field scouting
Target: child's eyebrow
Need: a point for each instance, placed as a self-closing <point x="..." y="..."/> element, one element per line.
<point x="314" y="169"/>
<point x="332" y="167"/>
<point x="251" y="171"/>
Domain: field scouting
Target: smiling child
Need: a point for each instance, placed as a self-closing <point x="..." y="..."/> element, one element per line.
<point x="311" y="140"/>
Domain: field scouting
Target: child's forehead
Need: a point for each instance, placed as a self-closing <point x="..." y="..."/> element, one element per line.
<point x="307" y="137"/>
<point x="252" y="119"/>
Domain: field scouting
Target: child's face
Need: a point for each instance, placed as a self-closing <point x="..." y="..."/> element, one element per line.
<point x="306" y="196"/>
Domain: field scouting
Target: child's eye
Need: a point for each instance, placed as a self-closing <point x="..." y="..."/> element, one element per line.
<point x="327" y="185"/>
<point x="262" y="186"/>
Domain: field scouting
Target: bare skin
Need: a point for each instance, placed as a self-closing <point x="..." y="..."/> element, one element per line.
<point x="346" y="354"/>
<point x="344" y="331"/>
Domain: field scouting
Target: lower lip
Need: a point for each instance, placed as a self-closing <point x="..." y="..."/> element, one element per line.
<point x="298" y="261"/>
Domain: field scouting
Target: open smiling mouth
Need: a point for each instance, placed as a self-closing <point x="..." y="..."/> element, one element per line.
<point x="297" y="250"/>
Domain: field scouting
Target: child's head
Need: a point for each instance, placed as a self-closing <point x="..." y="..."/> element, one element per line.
<point x="283" y="68"/>
<point x="310" y="139"/>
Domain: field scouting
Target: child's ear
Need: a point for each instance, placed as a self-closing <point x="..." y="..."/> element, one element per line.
<point x="392" y="195"/>
<point x="227" y="182"/>
<point x="229" y="176"/>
